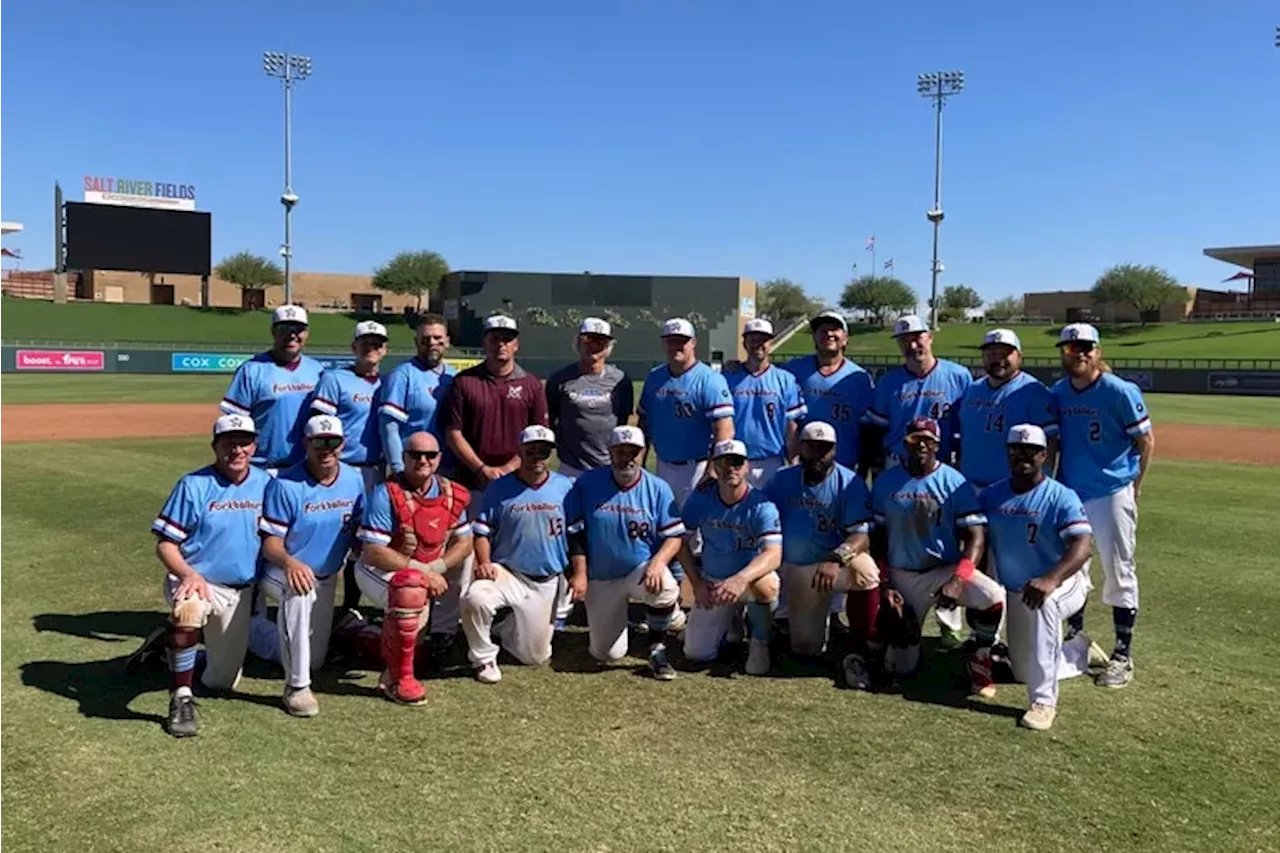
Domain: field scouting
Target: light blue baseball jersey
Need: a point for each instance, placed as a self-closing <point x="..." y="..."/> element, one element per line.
<point x="732" y="535"/>
<point x="1096" y="431"/>
<point x="352" y="398"/>
<point x="922" y="515"/>
<point x="986" y="416"/>
<point x="379" y="525"/>
<point x="276" y="397"/>
<point x="840" y="397"/>
<point x="625" y="525"/>
<point x="410" y="402"/>
<point x="215" y="523"/>
<point x="317" y="522"/>
<point x="1028" y="533"/>
<point x="526" y="524"/>
<point x="678" y="410"/>
<point x="901" y="396"/>
<point x="763" y="404"/>
<point x="817" y="518"/>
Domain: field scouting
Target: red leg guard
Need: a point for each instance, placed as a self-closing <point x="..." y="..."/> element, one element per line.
<point x="863" y="608"/>
<point x="406" y="599"/>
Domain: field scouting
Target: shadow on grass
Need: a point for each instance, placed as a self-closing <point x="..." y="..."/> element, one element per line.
<point x="942" y="680"/>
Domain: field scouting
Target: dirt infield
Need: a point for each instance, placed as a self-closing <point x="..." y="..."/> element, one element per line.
<point x="145" y="420"/>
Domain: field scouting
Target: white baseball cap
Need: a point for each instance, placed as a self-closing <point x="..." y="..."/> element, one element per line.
<point x="759" y="325"/>
<point x="621" y="435"/>
<point x="818" y="431"/>
<point x="234" y="423"/>
<point x="289" y="314"/>
<point x="500" y="321"/>
<point x="595" y="326"/>
<point x="323" y="426"/>
<point x="829" y="317"/>
<point x="1027" y="434"/>
<point x="370" y="327"/>
<point x="1082" y="332"/>
<point x="908" y="325"/>
<point x="732" y="447"/>
<point x="1001" y="336"/>
<point x="536" y="433"/>
<point x="678" y="326"/>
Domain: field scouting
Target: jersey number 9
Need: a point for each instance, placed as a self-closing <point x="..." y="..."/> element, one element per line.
<point x="770" y="409"/>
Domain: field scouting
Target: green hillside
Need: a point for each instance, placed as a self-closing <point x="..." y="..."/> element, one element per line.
<point x="1169" y="340"/>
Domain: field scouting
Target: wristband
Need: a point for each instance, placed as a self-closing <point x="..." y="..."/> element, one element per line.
<point x="965" y="569"/>
<point x="843" y="554"/>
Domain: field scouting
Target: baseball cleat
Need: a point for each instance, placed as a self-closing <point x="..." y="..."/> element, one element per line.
<point x="758" y="657"/>
<point x="659" y="666"/>
<point x="183" y="720"/>
<point x="1038" y="718"/>
<point x="351" y="620"/>
<point x="678" y="621"/>
<point x="856" y="674"/>
<point x="152" y="651"/>
<point x="300" y="702"/>
<point x="406" y="693"/>
<point x="561" y="625"/>
<point x="1119" y="673"/>
<point x="488" y="673"/>
<point x="980" y="681"/>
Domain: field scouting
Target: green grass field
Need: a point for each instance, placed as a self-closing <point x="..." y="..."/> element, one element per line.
<point x="562" y="759"/>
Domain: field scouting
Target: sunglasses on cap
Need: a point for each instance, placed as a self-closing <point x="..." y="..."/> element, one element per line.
<point x="326" y="442"/>
<point x="421" y="454"/>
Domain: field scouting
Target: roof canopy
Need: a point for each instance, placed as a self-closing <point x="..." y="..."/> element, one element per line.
<point x="1244" y="256"/>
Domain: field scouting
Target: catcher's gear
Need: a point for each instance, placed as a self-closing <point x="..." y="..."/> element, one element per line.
<point x="407" y="598"/>
<point x="189" y="613"/>
<point x="424" y="523"/>
<point x="898" y="624"/>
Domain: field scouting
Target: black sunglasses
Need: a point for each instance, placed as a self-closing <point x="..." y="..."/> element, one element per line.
<point x="327" y="442"/>
<point x="422" y="454"/>
<point x="1079" y="346"/>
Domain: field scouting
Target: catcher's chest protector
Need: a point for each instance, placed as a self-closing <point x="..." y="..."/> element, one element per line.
<point x="424" y="523"/>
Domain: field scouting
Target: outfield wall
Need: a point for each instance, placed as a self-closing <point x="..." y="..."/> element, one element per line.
<point x="36" y="360"/>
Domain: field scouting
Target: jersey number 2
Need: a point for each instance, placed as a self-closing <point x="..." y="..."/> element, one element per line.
<point x="1095" y="431"/>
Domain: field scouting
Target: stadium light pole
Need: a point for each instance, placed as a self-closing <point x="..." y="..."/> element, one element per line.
<point x="290" y="68"/>
<point x="937" y="86"/>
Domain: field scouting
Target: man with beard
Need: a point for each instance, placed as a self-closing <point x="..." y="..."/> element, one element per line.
<point x="624" y="532"/>
<point x="1106" y="447"/>
<point x="412" y="393"/>
<point x="935" y="531"/>
<point x="273" y="389"/>
<point x="521" y="553"/>
<point x="587" y="399"/>
<point x="766" y="405"/>
<point x="825" y="511"/>
<point x="1041" y="537"/>
<point x="991" y="405"/>
<point x="207" y="541"/>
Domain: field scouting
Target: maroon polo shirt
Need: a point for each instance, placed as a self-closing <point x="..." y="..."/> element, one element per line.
<point x="490" y="411"/>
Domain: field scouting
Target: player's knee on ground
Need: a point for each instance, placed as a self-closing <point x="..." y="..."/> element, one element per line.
<point x="765" y="590"/>
<point x="898" y="630"/>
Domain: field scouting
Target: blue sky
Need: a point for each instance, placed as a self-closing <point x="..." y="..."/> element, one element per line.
<point x="725" y="137"/>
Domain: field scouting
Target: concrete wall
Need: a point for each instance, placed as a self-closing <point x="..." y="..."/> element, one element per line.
<point x="1061" y="305"/>
<point x="311" y="290"/>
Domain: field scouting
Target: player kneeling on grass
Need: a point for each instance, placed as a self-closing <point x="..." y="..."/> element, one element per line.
<point x="936" y="532"/>
<point x="624" y="531"/>
<point x="825" y="510"/>
<point x="415" y="537"/>
<point x="521" y="554"/>
<point x="208" y="544"/>
<point x="1041" y="539"/>
<point x="309" y="520"/>
<point x="741" y="553"/>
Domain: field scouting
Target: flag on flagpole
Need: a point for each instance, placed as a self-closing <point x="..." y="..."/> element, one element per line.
<point x="888" y="264"/>
<point x="871" y="243"/>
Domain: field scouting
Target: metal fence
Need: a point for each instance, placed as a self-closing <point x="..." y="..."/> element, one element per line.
<point x="1116" y="363"/>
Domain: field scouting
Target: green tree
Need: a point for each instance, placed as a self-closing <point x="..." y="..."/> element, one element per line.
<point x="957" y="299"/>
<point x="1144" y="287"/>
<point x="878" y="296"/>
<point x="249" y="271"/>
<point x="783" y="302"/>
<point x="1005" y="308"/>
<point x="415" y="274"/>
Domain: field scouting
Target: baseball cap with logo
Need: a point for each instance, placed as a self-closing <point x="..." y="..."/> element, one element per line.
<point x="536" y="433"/>
<point x="678" y="327"/>
<point x="732" y="447"/>
<point x="323" y="426"/>
<point x="758" y="326"/>
<point x="924" y="426"/>
<point x="234" y="423"/>
<point x="829" y="317"/>
<point x="908" y="325"/>
<point x="595" y="326"/>
<point x="500" y="321"/>
<point x="818" y="431"/>
<point x="1027" y="434"/>
<point x="626" y="435"/>
<point x="1079" y="333"/>
<point x="372" y="328"/>
<point x="289" y="314"/>
<point x="1001" y="336"/>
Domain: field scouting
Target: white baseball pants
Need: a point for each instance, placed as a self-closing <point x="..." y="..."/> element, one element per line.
<point x="302" y="629"/>
<point x="810" y="608"/>
<point x="225" y="627"/>
<point x="1114" y="520"/>
<point x="564" y="604"/>
<point x="607" y="609"/>
<point x="761" y="471"/>
<point x="1036" y="652"/>
<point x="526" y="633"/>
<point x="706" y="628"/>
<point x="920" y="588"/>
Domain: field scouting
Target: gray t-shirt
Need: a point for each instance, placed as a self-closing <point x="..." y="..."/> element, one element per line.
<point x="584" y="409"/>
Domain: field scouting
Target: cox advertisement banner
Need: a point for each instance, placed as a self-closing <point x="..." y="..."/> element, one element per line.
<point x="60" y="360"/>
<point x="207" y="362"/>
